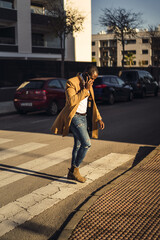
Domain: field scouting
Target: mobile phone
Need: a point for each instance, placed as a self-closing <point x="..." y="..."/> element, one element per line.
<point x="86" y="77"/>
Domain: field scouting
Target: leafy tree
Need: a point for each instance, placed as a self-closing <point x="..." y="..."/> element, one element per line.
<point x="63" y="22"/>
<point x="122" y="23"/>
<point x="129" y="58"/>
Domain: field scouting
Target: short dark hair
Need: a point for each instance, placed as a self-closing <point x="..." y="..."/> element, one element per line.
<point x="90" y="69"/>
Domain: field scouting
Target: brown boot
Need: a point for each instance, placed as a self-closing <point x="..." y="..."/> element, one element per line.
<point x="74" y="174"/>
<point x="70" y="174"/>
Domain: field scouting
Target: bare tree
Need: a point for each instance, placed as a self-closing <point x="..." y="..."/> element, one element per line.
<point x="154" y="35"/>
<point x="63" y="22"/>
<point x="122" y="23"/>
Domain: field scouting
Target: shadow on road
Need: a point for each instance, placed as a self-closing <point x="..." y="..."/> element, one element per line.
<point x="13" y="169"/>
<point x="141" y="154"/>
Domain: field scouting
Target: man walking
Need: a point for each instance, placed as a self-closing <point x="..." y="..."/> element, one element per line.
<point x="81" y="116"/>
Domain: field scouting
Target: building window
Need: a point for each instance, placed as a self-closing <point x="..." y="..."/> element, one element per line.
<point x="131" y="41"/>
<point x="93" y="44"/>
<point x="130" y="51"/>
<point x="145" y="40"/>
<point x="37" y="39"/>
<point x="7" y="35"/>
<point x="144" y="62"/>
<point x="93" y="53"/>
<point x="113" y="43"/>
<point x="105" y="43"/>
<point x="144" y="51"/>
<point x="7" y="4"/>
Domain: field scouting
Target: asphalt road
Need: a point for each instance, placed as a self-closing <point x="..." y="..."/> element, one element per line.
<point x="29" y="167"/>
<point x="131" y="122"/>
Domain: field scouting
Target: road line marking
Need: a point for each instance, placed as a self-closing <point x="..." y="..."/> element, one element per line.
<point x="105" y="164"/>
<point x="32" y="204"/>
<point x="15" y="151"/>
<point x="12" y="174"/>
<point x="4" y="140"/>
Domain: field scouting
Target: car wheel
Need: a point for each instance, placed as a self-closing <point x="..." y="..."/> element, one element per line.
<point x="53" y="109"/>
<point x="111" y="99"/>
<point x="130" y="97"/>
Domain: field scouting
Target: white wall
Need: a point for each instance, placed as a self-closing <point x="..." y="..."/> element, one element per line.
<point x="79" y="47"/>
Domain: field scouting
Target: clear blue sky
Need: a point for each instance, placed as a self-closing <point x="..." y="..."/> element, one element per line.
<point x="149" y="8"/>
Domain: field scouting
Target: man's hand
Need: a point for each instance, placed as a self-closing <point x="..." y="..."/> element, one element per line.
<point x="101" y="125"/>
<point x="88" y="84"/>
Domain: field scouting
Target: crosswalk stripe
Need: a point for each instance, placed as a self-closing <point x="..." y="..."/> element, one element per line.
<point x="32" y="204"/>
<point x="15" y="151"/>
<point x="4" y="140"/>
<point x="16" y="173"/>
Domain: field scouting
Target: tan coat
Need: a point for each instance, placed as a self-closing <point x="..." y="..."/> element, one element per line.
<point x="74" y="94"/>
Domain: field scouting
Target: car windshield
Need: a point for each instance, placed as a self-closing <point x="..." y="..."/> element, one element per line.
<point x="128" y="76"/>
<point x="32" y="85"/>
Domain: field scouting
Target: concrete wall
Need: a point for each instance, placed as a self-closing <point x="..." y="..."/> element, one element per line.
<point x="80" y="42"/>
<point x="24" y="26"/>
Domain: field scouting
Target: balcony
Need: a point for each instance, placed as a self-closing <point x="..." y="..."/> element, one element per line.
<point x="46" y="50"/>
<point x="38" y="19"/>
<point x="113" y="48"/>
<point x="8" y="14"/>
<point x="8" y="48"/>
<point x="45" y="43"/>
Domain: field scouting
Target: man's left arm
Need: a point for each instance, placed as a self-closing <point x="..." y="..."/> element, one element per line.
<point x="99" y="118"/>
<point x="101" y="124"/>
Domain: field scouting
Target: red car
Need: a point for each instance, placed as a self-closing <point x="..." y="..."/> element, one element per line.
<point x="36" y="94"/>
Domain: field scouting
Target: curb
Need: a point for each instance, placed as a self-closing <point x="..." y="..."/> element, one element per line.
<point x="7" y="108"/>
<point x="112" y="179"/>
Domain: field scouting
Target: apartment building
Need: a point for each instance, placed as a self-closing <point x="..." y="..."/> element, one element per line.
<point x="107" y="51"/>
<point x="25" y="32"/>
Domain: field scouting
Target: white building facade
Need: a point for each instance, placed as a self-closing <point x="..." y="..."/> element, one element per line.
<point x="25" y="33"/>
<point x="107" y="51"/>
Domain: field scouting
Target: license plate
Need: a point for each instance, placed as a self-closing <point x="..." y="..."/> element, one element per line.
<point x="26" y="104"/>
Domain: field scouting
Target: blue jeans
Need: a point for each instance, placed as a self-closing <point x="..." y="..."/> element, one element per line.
<point x="81" y="139"/>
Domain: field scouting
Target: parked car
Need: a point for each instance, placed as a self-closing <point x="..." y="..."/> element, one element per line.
<point x="142" y="82"/>
<point x="41" y="94"/>
<point x="110" y="88"/>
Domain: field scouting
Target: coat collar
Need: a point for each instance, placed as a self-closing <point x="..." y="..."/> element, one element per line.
<point x="82" y="82"/>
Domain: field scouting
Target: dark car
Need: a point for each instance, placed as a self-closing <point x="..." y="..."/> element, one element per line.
<point x="110" y="88"/>
<point x="142" y="82"/>
<point x="41" y="94"/>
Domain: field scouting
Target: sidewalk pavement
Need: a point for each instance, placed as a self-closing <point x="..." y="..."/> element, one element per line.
<point x="125" y="208"/>
<point x="7" y="107"/>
